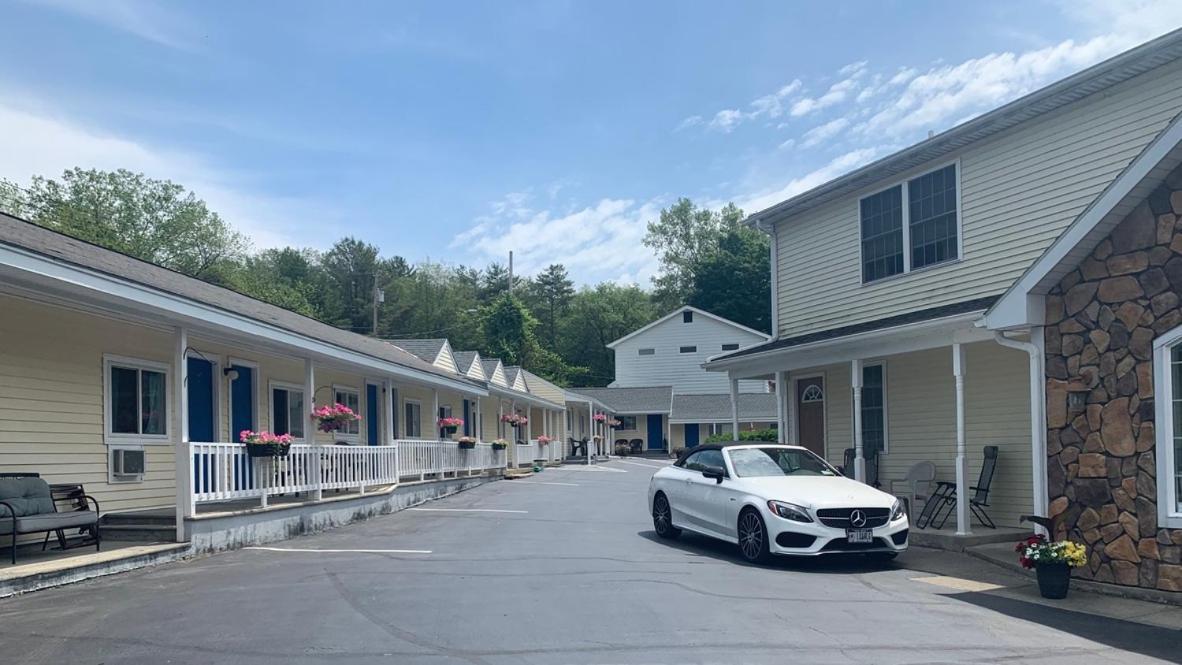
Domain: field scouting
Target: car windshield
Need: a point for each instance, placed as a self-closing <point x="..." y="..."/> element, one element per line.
<point x="762" y="462"/>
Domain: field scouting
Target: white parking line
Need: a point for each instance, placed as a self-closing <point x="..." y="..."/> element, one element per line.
<point x="466" y="510"/>
<point x="540" y="482"/>
<point x="296" y="549"/>
<point x="647" y="466"/>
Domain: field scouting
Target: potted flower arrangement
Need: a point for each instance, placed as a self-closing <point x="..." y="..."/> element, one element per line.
<point x="1052" y="562"/>
<point x="467" y="442"/>
<point x="450" y="425"/>
<point x="600" y="417"/>
<point x="544" y="440"/>
<point x="515" y="419"/>
<point x="333" y="418"/>
<point x="614" y="422"/>
<point x="500" y="444"/>
<point x="265" y="444"/>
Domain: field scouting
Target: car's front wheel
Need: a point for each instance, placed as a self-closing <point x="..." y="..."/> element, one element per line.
<point x="663" y="518"/>
<point x="753" y="537"/>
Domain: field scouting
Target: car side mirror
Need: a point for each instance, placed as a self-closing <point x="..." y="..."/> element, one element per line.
<point x="715" y="472"/>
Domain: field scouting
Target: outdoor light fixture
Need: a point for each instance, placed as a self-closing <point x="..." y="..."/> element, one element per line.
<point x="231" y="373"/>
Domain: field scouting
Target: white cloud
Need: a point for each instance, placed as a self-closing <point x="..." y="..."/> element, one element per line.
<point x="151" y="21"/>
<point x="836" y="94"/>
<point x="754" y="202"/>
<point x="39" y="142"/>
<point x="598" y="242"/>
<point x="692" y="121"/>
<point x="822" y="133"/>
<point x="726" y="120"/>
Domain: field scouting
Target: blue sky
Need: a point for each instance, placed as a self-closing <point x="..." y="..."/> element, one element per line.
<point x="457" y="131"/>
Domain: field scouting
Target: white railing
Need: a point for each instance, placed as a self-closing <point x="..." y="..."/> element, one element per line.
<point x="224" y="471"/>
<point x="526" y="452"/>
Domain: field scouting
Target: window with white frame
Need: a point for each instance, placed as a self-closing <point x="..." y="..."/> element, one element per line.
<point x="874" y="434"/>
<point x="909" y="226"/>
<point x="627" y="423"/>
<point x="1167" y="374"/>
<point x="351" y="398"/>
<point x="287" y="410"/>
<point x="413" y="411"/>
<point x="136" y="399"/>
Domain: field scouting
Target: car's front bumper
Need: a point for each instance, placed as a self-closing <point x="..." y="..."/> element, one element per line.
<point x="816" y="539"/>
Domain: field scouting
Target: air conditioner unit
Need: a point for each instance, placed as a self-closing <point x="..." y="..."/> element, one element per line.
<point x="127" y="464"/>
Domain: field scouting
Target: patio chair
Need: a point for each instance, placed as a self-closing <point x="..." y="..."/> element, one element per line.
<point x="916" y="486"/>
<point x="578" y="448"/>
<point x="637" y="446"/>
<point x="943" y="500"/>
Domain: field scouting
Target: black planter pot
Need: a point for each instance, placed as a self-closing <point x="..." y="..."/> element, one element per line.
<point x="466" y="445"/>
<point x="1053" y="579"/>
<point x="267" y="450"/>
<point x="449" y="430"/>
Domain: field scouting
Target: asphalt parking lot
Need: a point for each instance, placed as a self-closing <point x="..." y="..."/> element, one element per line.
<point x="562" y="567"/>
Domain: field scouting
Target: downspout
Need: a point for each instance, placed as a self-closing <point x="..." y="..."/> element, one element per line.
<point x="775" y="285"/>
<point x="1038" y="431"/>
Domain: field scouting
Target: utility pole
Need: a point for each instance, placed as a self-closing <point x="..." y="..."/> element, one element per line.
<point x="378" y="297"/>
<point x="510" y="272"/>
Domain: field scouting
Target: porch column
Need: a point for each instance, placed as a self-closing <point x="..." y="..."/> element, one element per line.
<point x="185" y="505"/>
<point x="735" y="409"/>
<point x="859" y="453"/>
<point x="388" y="411"/>
<point x="435" y="413"/>
<point x="781" y="424"/>
<point x="790" y="402"/>
<point x="500" y="414"/>
<point x="309" y="404"/>
<point x="962" y="470"/>
<point x="590" y="429"/>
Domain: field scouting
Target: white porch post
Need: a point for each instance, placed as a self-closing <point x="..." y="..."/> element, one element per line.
<point x="781" y="423"/>
<point x="185" y="504"/>
<point x="590" y="430"/>
<point x="859" y="453"/>
<point x="734" y="385"/>
<point x="962" y="470"/>
<point x="790" y="396"/>
<point x="310" y="432"/>
<point x="435" y="413"/>
<point x="388" y="411"/>
<point x="500" y="414"/>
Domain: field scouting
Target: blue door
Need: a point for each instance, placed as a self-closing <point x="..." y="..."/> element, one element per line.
<point x="241" y="401"/>
<point x="371" y="414"/>
<point x="655" y="432"/>
<point x="691" y="435"/>
<point x="201" y="406"/>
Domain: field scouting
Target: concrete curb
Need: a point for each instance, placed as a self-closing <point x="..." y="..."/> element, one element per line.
<point x="55" y="577"/>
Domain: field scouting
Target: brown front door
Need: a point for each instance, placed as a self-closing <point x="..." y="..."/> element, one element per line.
<point x="810" y="414"/>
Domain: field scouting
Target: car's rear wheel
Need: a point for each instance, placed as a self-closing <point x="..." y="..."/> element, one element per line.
<point x="753" y="537"/>
<point x="663" y="518"/>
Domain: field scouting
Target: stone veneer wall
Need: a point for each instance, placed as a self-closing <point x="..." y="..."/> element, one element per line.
<point x="1102" y="320"/>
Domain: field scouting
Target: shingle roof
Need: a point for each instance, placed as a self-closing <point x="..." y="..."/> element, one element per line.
<point x="964" y="307"/>
<point x="25" y="235"/>
<point x="426" y="349"/>
<point x="511" y="372"/>
<point x="654" y="399"/>
<point x="490" y="366"/>
<point x="464" y="360"/>
<point x="753" y="407"/>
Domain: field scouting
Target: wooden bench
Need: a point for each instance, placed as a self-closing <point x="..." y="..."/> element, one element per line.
<point x="27" y="506"/>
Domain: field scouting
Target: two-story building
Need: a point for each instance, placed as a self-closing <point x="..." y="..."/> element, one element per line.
<point x="661" y="395"/>
<point x="1011" y="282"/>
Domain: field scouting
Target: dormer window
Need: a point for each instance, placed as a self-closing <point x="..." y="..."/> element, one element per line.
<point x="930" y="205"/>
<point x="687" y="317"/>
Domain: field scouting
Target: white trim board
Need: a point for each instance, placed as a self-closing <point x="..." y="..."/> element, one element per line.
<point x="678" y="311"/>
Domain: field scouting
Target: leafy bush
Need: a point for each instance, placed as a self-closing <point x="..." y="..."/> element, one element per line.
<point x="754" y="435"/>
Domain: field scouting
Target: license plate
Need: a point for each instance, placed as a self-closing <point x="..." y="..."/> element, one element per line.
<point x="859" y="535"/>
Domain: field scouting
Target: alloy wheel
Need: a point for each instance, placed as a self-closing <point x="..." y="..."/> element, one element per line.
<point x="751" y="536"/>
<point x="661" y="517"/>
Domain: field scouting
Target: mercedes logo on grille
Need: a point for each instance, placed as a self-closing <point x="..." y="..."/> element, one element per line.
<point x="857" y="518"/>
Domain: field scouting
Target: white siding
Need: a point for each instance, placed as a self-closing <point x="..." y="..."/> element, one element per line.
<point x="669" y="367"/>
<point x="445" y="359"/>
<point x="1018" y="192"/>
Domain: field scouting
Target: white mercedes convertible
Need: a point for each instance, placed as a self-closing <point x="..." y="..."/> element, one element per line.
<point x="774" y="499"/>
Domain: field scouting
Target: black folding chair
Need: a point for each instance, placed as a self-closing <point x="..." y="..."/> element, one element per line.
<point x="847" y="468"/>
<point x="943" y="502"/>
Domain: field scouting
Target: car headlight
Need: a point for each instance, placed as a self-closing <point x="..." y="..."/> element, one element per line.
<point x="897" y="511"/>
<point x="789" y="511"/>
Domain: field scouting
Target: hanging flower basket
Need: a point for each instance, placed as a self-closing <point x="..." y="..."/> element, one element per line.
<point x="500" y="444"/>
<point x="333" y="418"/>
<point x="450" y="425"/>
<point x="265" y="444"/>
<point x="515" y="419"/>
<point x="1052" y="562"/>
<point x="600" y="417"/>
<point x="466" y="443"/>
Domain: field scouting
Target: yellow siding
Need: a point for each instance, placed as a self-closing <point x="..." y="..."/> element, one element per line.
<point x="1018" y="192"/>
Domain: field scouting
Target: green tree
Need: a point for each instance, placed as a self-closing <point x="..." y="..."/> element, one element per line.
<point x="553" y="291"/>
<point x="155" y="220"/>
<point x="734" y="280"/>
<point x="349" y="269"/>
<point x="682" y="238"/>
<point x="509" y="334"/>
<point x="598" y="316"/>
